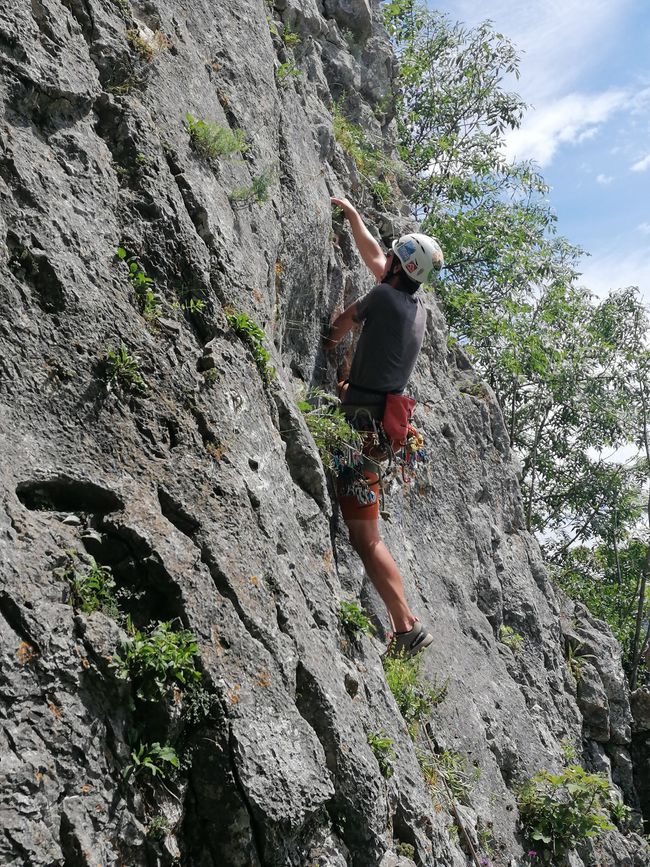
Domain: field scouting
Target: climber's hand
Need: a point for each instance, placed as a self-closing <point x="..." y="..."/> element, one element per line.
<point x="344" y="204"/>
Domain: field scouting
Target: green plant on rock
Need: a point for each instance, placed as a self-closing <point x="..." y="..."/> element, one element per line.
<point x="353" y="618"/>
<point x="286" y="71"/>
<point x="290" y="37"/>
<point x="212" y="140"/>
<point x="406" y="850"/>
<point x="155" y="658"/>
<point x="415" y="698"/>
<point x="123" y="369"/>
<point x="382" y="747"/>
<point x="560" y="810"/>
<point x="334" y="437"/>
<point x="190" y="301"/>
<point x="445" y="771"/>
<point x="575" y="658"/>
<point x="510" y="638"/>
<point x="158" y="828"/>
<point x="621" y="814"/>
<point x="91" y="588"/>
<point x="253" y="336"/>
<point x="257" y="192"/>
<point x="155" y="760"/>
<point x="142" y="286"/>
<point x="372" y="163"/>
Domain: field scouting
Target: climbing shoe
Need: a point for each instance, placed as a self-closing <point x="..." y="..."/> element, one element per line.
<point x="409" y="643"/>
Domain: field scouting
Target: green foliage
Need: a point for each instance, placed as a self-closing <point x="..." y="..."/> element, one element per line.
<point x="445" y="771"/>
<point x="154" y="659"/>
<point x="123" y="369"/>
<point x="152" y="760"/>
<point x="210" y="376"/>
<point x="253" y="336"/>
<point x="569" y="752"/>
<point x="286" y="71"/>
<point x="569" y="371"/>
<point x="382" y="747"/>
<point x="510" y="638"/>
<point x="212" y="140"/>
<point x="142" y="286"/>
<point x="575" y="658"/>
<point x="198" y="704"/>
<point x="92" y="587"/>
<point x="415" y="699"/>
<point x="353" y="618"/>
<point x="257" y="192"/>
<point x="333" y="436"/>
<point x="290" y="38"/>
<point x="158" y="828"/>
<point x="560" y="810"/>
<point x="406" y="850"/>
<point x="373" y="166"/>
<point x="190" y="301"/>
<point x="621" y="814"/>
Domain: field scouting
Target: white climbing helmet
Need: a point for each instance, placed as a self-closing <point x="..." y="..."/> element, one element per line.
<point x="420" y="255"/>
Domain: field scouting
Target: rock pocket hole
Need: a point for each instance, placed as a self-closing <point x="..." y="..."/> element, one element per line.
<point x="34" y="269"/>
<point x="176" y="514"/>
<point x="64" y="494"/>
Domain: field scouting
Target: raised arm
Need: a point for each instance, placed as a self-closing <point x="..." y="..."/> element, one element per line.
<point x="369" y="249"/>
<point x="343" y="323"/>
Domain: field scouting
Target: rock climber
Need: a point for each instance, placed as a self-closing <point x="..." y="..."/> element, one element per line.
<point x="393" y="317"/>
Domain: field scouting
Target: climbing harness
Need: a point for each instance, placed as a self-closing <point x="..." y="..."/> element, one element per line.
<point x="379" y="448"/>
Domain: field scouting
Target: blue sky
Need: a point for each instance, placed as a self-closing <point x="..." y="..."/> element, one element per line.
<point x="585" y="72"/>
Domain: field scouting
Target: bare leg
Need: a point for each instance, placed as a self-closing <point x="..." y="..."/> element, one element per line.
<point x="382" y="571"/>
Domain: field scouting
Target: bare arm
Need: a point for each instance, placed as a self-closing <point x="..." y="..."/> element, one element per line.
<point x="369" y="249"/>
<point x="343" y="323"/>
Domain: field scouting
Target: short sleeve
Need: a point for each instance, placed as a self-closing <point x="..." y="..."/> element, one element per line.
<point x="365" y="304"/>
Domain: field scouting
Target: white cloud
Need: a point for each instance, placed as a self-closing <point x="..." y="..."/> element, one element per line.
<point x="614" y="269"/>
<point x="604" y="179"/>
<point x="644" y="227"/>
<point x="559" y="39"/>
<point x="568" y="120"/>
<point x="641" y="165"/>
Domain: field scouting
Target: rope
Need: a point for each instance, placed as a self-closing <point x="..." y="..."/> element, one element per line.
<point x="452" y="801"/>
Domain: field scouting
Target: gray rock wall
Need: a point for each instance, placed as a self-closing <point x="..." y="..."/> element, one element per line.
<point x="204" y="493"/>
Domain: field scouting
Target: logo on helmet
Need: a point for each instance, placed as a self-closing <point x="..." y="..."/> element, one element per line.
<point x="406" y="250"/>
<point x="411" y="267"/>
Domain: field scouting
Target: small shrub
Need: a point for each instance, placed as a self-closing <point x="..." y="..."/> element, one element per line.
<point x="287" y="71"/>
<point x="372" y="164"/>
<point x="510" y="638"/>
<point x="152" y="759"/>
<point x="124" y="370"/>
<point x="257" y="192"/>
<point x="415" y="699"/>
<point x="446" y="771"/>
<point x="142" y="286"/>
<point x="158" y="828"/>
<point x="406" y="850"/>
<point x="290" y="37"/>
<point x="253" y="336"/>
<point x="211" y="140"/>
<point x="621" y="814"/>
<point x="382" y="747"/>
<point x="575" y="658"/>
<point x="144" y="47"/>
<point x="92" y="589"/>
<point x="190" y="301"/>
<point x="569" y="752"/>
<point x="210" y="376"/>
<point x="353" y="618"/>
<point x="559" y="810"/>
<point x="337" y="442"/>
<point x="155" y="658"/>
<point x="198" y="704"/>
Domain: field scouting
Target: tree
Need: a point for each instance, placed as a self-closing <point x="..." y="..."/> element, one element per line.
<point x="570" y="371"/>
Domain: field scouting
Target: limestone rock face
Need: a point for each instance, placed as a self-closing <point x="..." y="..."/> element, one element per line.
<point x="138" y="430"/>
